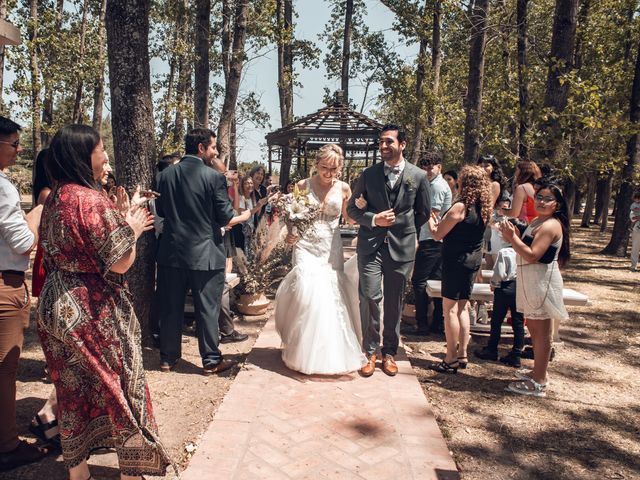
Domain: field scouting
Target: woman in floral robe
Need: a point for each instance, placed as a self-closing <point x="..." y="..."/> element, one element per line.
<point x="89" y="331"/>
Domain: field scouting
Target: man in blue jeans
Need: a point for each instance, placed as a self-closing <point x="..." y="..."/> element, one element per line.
<point x="428" y="264"/>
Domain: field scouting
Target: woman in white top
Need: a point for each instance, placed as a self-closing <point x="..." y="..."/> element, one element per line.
<point x="542" y="250"/>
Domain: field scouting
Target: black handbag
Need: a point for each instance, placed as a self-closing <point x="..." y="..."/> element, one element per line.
<point x="548" y="256"/>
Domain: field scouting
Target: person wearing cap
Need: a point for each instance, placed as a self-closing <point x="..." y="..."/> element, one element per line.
<point x="18" y="237"/>
<point x="428" y="264"/>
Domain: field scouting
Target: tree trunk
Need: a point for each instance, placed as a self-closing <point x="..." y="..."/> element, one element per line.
<point x="47" y="105"/>
<point x="346" y="49"/>
<point x="77" y="104"/>
<point x="284" y="13"/>
<point x="577" y="206"/>
<point x="171" y="78"/>
<point x="226" y="37"/>
<point x="202" y="70"/>
<point x="36" y="103"/>
<point x="232" y="85"/>
<point x="473" y="101"/>
<point x="523" y="79"/>
<point x="601" y="187"/>
<point x="620" y="236"/>
<point x="421" y="72"/>
<point x="3" y="16"/>
<point x="583" y="15"/>
<point x="127" y="25"/>
<point x="588" y="208"/>
<point x="436" y="64"/>
<point x="561" y="62"/>
<point x="184" y="71"/>
<point x="98" y="88"/>
<point x="570" y="196"/>
<point x="606" y="199"/>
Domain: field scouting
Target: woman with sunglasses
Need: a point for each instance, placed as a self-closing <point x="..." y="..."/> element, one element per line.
<point x="542" y="250"/>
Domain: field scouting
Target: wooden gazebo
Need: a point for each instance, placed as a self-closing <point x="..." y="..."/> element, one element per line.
<point x="356" y="133"/>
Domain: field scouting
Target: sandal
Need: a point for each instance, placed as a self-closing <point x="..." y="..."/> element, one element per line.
<point x="462" y="362"/>
<point x="444" y="367"/>
<point x="528" y="387"/>
<point x="44" y="431"/>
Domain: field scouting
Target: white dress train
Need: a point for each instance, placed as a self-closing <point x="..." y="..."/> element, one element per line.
<point x="317" y="314"/>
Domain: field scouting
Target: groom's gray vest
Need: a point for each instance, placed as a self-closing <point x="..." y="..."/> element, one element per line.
<point x="410" y="201"/>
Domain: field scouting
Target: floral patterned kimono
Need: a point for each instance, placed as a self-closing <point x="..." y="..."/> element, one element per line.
<point x="91" y="336"/>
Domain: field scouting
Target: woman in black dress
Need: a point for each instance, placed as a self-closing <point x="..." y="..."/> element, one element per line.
<point x="461" y="230"/>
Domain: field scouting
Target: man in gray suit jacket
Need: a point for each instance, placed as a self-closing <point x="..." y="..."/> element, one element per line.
<point x="397" y="195"/>
<point x="195" y="206"/>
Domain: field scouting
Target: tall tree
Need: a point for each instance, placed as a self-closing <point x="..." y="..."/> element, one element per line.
<point x="561" y="62"/>
<point x="77" y="105"/>
<point x="3" y="16"/>
<point x="98" y="87"/>
<point x="202" y="67"/>
<point x="232" y="83"/>
<point x="421" y="72"/>
<point x="36" y="102"/>
<point x="473" y="101"/>
<point x="523" y="78"/>
<point x="284" y="33"/>
<point x="346" y="49"/>
<point x="127" y="24"/>
<point x="185" y="68"/>
<point x="49" y="90"/>
<point x="620" y="235"/>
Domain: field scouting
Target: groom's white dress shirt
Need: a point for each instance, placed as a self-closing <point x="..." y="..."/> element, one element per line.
<point x="392" y="180"/>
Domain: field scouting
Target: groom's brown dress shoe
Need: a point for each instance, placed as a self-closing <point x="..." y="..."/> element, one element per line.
<point x="370" y="367"/>
<point x="389" y="365"/>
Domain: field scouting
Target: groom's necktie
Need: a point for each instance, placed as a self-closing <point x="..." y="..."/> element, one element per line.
<point x="391" y="174"/>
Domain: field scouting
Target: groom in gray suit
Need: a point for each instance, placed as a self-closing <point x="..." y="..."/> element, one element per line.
<point x="397" y="195"/>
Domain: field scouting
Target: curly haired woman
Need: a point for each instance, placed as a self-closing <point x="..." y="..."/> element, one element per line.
<point x="461" y="230"/>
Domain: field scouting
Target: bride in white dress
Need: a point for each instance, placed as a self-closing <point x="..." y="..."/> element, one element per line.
<point x="316" y="312"/>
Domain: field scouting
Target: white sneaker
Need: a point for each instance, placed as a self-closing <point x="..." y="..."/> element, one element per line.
<point x="529" y="387"/>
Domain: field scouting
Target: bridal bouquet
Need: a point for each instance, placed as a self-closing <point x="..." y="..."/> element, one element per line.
<point x="298" y="211"/>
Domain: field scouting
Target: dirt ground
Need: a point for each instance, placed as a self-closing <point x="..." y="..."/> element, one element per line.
<point x="587" y="428"/>
<point x="184" y="401"/>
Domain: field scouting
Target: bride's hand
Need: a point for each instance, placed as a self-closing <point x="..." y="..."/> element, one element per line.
<point x="291" y="239"/>
<point x="361" y="203"/>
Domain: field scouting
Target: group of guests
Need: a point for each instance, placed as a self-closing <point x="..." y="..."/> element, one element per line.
<point x="524" y="237"/>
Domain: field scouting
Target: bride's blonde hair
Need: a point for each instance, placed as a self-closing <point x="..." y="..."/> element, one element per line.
<point x="331" y="152"/>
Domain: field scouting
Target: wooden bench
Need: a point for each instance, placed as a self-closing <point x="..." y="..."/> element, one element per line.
<point x="482" y="292"/>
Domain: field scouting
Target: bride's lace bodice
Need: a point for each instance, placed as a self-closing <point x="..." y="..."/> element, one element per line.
<point x="322" y="244"/>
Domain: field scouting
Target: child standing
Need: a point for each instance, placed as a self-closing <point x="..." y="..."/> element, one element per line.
<point x="634" y="214"/>
<point x="503" y="285"/>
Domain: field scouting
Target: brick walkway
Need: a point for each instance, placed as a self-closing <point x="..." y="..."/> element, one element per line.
<point x="278" y="424"/>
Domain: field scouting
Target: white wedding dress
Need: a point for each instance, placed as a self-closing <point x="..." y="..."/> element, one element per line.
<point x="317" y="314"/>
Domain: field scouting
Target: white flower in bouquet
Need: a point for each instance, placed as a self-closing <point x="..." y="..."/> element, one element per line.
<point x="298" y="211"/>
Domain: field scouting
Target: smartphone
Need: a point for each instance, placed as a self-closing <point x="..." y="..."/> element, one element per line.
<point x="149" y="194"/>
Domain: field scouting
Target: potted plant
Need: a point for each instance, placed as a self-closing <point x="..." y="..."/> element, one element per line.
<point x="258" y="271"/>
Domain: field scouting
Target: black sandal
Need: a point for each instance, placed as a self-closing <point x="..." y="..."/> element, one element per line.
<point x="444" y="367"/>
<point x="462" y="362"/>
<point x="40" y="429"/>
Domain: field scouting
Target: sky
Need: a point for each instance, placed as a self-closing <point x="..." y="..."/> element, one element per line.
<point x="260" y="75"/>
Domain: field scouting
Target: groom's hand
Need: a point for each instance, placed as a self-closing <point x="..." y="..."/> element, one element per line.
<point x="385" y="219"/>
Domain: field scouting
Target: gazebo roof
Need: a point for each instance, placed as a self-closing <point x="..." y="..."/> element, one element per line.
<point x="336" y="123"/>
